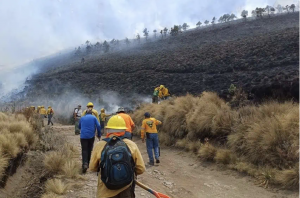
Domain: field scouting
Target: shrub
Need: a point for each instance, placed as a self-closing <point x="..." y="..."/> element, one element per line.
<point x="289" y="178"/>
<point x="224" y="156"/>
<point x="54" y="162"/>
<point x="56" y="186"/>
<point x="71" y="169"/>
<point x="207" y="152"/>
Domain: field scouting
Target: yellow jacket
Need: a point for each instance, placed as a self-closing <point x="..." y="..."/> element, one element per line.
<point x="94" y="112"/>
<point x="163" y="93"/>
<point x="103" y="116"/>
<point x="102" y="191"/>
<point x="50" y="111"/>
<point x="42" y="111"/>
<point x="149" y="126"/>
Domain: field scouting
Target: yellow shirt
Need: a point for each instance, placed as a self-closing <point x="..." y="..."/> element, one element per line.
<point x="163" y="92"/>
<point x="102" y="191"/>
<point x="149" y="126"/>
<point x="95" y="113"/>
<point x="43" y="111"/>
<point x="103" y="116"/>
<point x="49" y="111"/>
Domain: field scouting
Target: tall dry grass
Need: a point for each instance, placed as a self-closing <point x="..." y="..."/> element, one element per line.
<point x="16" y="136"/>
<point x="254" y="137"/>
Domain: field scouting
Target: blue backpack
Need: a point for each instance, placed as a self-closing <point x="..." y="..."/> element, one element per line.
<point x="117" y="165"/>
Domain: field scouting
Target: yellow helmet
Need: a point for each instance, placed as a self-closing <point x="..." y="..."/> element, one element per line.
<point x="42" y="106"/>
<point x="102" y="110"/>
<point x="39" y="107"/>
<point x="90" y="104"/>
<point x="161" y="86"/>
<point x="32" y="106"/>
<point x="116" y="122"/>
<point x="49" y="107"/>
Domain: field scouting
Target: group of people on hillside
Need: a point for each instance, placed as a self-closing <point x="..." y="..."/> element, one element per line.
<point x="160" y="93"/>
<point x="116" y="158"/>
<point x="42" y="113"/>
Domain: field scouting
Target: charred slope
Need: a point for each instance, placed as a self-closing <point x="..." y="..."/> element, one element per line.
<point x="262" y="56"/>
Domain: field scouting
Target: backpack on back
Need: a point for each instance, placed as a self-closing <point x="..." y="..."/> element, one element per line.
<point x="117" y="165"/>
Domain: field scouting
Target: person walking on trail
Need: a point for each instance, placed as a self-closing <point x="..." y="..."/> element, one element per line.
<point x="77" y="116"/>
<point x="129" y="123"/>
<point x="149" y="127"/>
<point x="164" y="93"/>
<point x="88" y="125"/>
<point x="50" y="114"/>
<point x="43" y="114"/>
<point x="103" y="117"/>
<point x="118" y="160"/>
<point x="90" y="106"/>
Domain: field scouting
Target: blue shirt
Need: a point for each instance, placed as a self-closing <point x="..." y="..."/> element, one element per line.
<point x="88" y="125"/>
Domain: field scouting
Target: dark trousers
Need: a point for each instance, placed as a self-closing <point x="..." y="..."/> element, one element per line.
<point x="86" y="150"/>
<point x="49" y="119"/>
<point x="128" y="193"/>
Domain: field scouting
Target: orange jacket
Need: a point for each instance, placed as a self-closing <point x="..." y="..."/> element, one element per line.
<point x="129" y="123"/>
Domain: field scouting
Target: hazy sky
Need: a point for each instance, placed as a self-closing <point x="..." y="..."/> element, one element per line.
<point x="35" y="28"/>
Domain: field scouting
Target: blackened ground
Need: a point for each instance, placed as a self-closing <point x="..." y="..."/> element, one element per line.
<point x="261" y="56"/>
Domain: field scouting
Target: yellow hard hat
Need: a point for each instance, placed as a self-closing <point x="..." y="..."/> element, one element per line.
<point x="42" y="106"/>
<point x="102" y="110"/>
<point x="39" y="106"/>
<point x="32" y="107"/>
<point x="161" y="86"/>
<point x="90" y="104"/>
<point x="49" y="107"/>
<point x="116" y="122"/>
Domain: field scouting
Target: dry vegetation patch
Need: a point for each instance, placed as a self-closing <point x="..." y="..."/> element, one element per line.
<point x="259" y="140"/>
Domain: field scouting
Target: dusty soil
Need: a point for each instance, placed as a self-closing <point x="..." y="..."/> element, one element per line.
<point x="180" y="175"/>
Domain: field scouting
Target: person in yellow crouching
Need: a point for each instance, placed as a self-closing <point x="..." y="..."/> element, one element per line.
<point x="118" y="160"/>
<point x="149" y="127"/>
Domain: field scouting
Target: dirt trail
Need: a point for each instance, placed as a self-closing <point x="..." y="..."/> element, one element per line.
<point x="179" y="175"/>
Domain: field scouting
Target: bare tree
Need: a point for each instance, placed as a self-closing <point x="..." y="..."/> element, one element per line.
<point x="138" y="37"/>
<point x="146" y="32"/>
<point x="259" y="12"/>
<point x="198" y="24"/>
<point x="269" y="9"/>
<point x="165" y="31"/>
<point x="185" y="26"/>
<point x="213" y="20"/>
<point x="232" y="17"/>
<point x="244" y="14"/>
<point x="221" y="20"/>
<point x="292" y="7"/>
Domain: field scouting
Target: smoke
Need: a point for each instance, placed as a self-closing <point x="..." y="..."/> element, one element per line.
<point x="32" y="29"/>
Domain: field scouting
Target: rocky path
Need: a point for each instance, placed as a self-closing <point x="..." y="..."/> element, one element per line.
<point x="180" y="175"/>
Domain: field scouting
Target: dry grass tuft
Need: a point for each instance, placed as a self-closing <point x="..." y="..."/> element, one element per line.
<point x="20" y="139"/>
<point x="56" y="186"/>
<point x="50" y="195"/>
<point x="224" y="156"/>
<point x="54" y="161"/>
<point x="264" y="136"/>
<point x="289" y="178"/>
<point x="71" y="169"/>
<point x="207" y="152"/>
<point x="4" y="161"/>
<point x="9" y="145"/>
